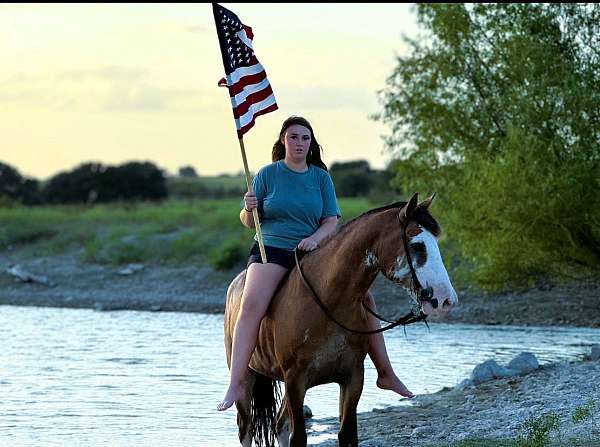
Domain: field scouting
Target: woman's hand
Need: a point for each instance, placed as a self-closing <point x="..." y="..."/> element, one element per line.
<point x="308" y="244"/>
<point x="250" y="201"/>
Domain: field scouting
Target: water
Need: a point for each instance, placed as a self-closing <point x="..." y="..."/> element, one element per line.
<point x="77" y="377"/>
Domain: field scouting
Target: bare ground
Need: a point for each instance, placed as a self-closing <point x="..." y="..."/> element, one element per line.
<point x="196" y="288"/>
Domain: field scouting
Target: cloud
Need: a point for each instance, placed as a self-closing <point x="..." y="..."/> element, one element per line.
<point x="109" y="73"/>
<point x="107" y="89"/>
<point x="140" y="98"/>
<point x="178" y="27"/>
<point x="327" y="97"/>
<point x="198" y="29"/>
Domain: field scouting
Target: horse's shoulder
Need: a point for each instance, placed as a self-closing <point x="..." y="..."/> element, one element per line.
<point x="236" y="282"/>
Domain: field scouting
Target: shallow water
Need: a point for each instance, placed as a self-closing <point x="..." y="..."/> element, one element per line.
<point x="77" y="377"/>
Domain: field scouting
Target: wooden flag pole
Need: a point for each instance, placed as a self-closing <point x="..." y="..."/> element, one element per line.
<point x="261" y="244"/>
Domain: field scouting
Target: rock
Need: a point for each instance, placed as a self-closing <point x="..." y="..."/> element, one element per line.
<point x="524" y="363"/>
<point x="595" y="354"/>
<point x="421" y="431"/>
<point x="463" y="385"/>
<point x="22" y="275"/>
<point x="489" y="370"/>
<point x="374" y="442"/>
<point x="130" y="269"/>
<point x="307" y="412"/>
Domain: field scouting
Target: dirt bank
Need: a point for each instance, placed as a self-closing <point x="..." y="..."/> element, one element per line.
<point x="196" y="288"/>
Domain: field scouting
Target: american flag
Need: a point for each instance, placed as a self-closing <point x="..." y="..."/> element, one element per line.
<point x="249" y="89"/>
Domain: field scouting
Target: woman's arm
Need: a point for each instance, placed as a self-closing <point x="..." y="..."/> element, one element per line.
<point x="328" y="226"/>
<point x="247" y="219"/>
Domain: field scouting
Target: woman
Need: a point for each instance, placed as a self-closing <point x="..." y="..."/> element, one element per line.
<point x="295" y="197"/>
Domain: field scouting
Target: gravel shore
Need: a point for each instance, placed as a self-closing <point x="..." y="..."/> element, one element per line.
<point x="492" y="410"/>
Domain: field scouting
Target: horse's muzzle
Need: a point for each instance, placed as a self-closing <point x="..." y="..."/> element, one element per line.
<point x="435" y="308"/>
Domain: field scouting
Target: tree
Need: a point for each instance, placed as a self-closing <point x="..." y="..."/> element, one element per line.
<point x="352" y="179"/>
<point x="188" y="172"/>
<point x="496" y="108"/>
<point x="16" y="187"/>
<point x="93" y="182"/>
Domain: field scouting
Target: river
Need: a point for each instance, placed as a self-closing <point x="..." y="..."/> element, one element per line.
<point x="79" y="377"/>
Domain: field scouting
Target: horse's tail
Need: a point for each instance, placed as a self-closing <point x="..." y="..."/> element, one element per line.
<point x="266" y="398"/>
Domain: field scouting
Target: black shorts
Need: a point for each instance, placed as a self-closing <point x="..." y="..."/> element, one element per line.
<point x="279" y="256"/>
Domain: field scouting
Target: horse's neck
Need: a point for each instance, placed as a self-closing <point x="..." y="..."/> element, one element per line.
<point x="341" y="270"/>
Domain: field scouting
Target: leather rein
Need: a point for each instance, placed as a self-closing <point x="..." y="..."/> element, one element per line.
<point x="413" y="316"/>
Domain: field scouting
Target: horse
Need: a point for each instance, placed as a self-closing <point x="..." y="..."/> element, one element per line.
<point x="299" y="345"/>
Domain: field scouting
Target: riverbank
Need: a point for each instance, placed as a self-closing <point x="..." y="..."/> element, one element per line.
<point x="487" y="413"/>
<point x="197" y="288"/>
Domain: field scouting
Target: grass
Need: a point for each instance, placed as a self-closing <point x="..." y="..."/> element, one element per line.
<point x="172" y="231"/>
<point x="544" y="431"/>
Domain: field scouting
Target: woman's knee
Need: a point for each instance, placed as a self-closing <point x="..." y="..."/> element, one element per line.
<point x="254" y="305"/>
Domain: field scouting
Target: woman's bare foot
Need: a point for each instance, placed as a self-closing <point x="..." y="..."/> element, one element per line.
<point x="392" y="382"/>
<point x="234" y="394"/>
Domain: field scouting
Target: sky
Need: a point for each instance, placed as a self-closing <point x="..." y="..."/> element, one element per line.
<point x="112" y="83"/>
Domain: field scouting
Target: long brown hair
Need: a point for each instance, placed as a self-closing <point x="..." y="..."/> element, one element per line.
<point x="314" y="152"/>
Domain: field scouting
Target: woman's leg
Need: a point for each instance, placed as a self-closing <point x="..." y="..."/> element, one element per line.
<point x="261" y="281"/>
<point x="386" y="377"/>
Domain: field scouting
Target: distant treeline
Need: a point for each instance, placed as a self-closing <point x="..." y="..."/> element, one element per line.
<point x="133" y="181"/>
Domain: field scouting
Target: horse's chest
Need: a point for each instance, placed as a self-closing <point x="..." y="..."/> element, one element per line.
<point x="332" y="355"/>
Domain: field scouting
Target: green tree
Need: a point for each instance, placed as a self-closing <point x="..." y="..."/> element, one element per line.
<point x="15" y="187"/>
<point x="496" y="108"/>
<point x="352" y="178"/>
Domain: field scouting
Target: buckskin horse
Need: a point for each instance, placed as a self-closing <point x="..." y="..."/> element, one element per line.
<point x="306" y="343"/>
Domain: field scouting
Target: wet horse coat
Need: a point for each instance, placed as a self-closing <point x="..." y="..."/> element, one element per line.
<point x="299" y="345"/>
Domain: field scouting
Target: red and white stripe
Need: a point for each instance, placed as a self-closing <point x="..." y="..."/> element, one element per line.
<point x="251" y="95"/>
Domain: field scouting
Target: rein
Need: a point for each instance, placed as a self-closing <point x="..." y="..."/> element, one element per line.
<point x="411" y="317"/>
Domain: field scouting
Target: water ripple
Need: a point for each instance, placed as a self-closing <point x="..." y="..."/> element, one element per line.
<point x="141" y="378"/>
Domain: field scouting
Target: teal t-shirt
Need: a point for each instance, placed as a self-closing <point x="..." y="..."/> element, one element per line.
<point x="292" y="204"/>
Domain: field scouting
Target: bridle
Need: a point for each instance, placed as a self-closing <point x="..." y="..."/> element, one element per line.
<point x="420" y="294"/>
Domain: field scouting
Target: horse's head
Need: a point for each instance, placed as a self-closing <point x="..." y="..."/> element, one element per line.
<point x="418" y="231"/>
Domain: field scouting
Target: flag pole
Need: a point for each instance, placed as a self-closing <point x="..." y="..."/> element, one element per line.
<point x="261" y="244"/>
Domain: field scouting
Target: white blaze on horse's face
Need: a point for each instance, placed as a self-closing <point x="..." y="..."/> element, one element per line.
<point x="433" y="274"/>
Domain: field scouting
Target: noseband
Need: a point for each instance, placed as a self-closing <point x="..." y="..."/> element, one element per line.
<point x="416" y="314"/>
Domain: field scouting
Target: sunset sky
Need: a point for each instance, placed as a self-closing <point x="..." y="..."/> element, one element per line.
<point x="117" y="82"/>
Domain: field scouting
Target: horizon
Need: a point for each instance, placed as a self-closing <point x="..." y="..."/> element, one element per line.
<point x="167" y="173"/>
<point x="111" y="83"/>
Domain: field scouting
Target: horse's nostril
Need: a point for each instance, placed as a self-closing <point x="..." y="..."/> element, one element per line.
<point x="434" y="303"/>
<point x="447" y="303"/>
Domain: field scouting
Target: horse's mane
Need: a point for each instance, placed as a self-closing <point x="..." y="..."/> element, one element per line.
<point x="420" y="215"/>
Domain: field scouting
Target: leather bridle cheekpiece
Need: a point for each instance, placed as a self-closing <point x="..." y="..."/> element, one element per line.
<point x="420" y="294"/>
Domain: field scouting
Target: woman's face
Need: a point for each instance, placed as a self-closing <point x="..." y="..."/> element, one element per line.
<point x="296" y="140"/>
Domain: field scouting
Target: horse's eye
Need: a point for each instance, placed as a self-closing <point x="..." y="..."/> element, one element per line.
<point x="420" y="252"/>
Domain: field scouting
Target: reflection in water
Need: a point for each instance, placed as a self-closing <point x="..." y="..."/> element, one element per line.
<point x="80" y="377"/>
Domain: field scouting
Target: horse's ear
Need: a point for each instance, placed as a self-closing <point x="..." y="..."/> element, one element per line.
<point x="408" y="209"/>
<point x="427" y="202"/>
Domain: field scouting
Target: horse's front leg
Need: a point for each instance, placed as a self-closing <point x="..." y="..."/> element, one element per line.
<point x="295" y="390"/>
<point x="244" y="416"/>
<point x="350" y="392"/>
